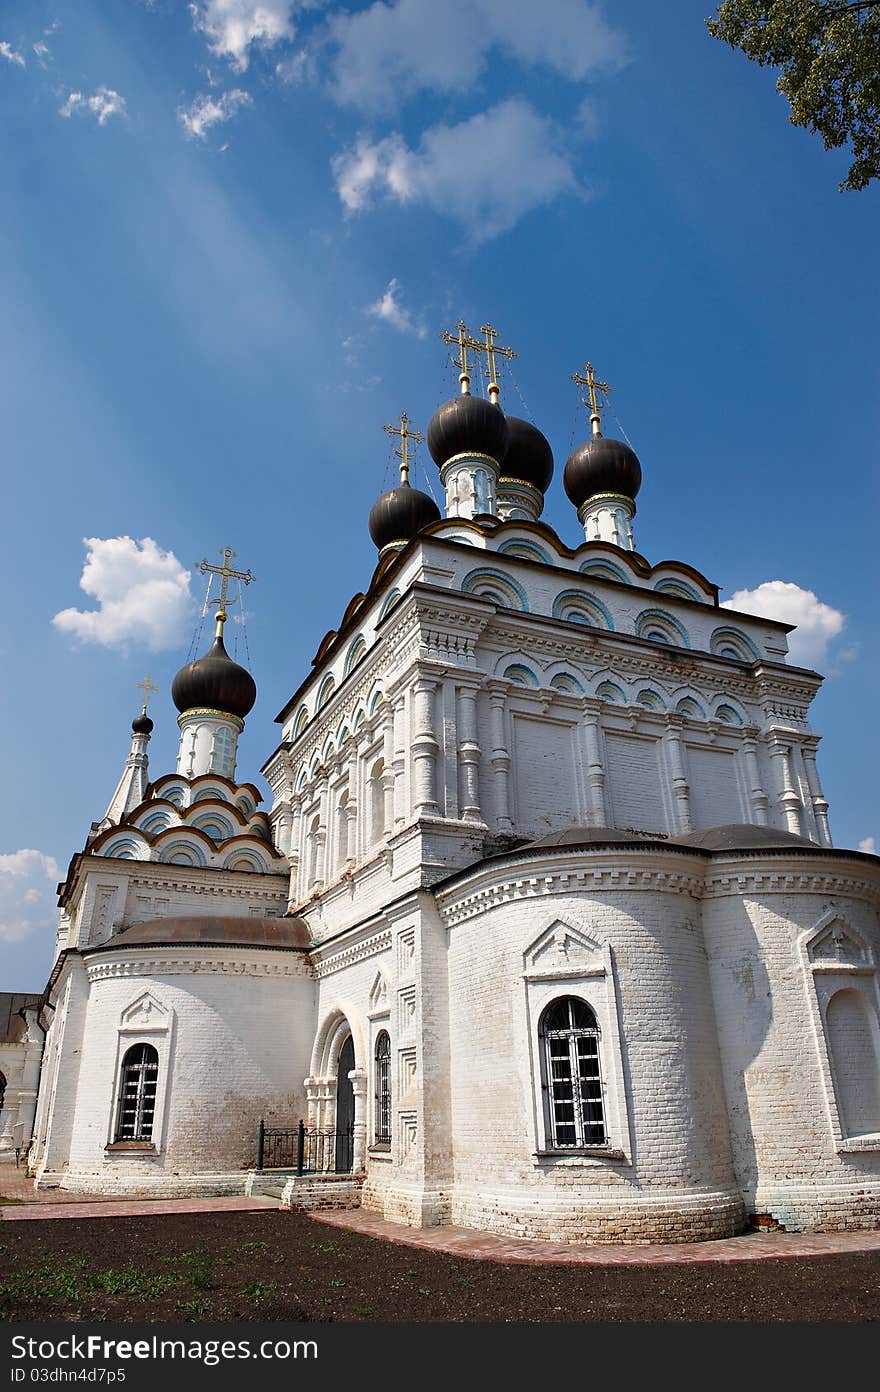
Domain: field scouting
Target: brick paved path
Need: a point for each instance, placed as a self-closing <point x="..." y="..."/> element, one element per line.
<point x="466" y="1242"/>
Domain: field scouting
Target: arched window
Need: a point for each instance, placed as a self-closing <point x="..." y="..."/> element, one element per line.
<point x="572" y="1077"/>
<point x="137" y="1094"/>
<point x="382" y="1092"/>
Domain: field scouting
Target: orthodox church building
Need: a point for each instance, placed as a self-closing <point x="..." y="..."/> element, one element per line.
<point x="540" y="930"/>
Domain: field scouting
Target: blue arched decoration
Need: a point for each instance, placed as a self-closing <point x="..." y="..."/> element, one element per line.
<point x="525" y="550"/>
<point x="652" y="622"/>
<point x="356" y="653"/>
<point x="522" y="675"/>
<point x="739" y="644"/>
<point x="604" y="570"/>
<point x="503" y="590"/>
<point x="590" y="606"/>
<point x="610" y="691"/>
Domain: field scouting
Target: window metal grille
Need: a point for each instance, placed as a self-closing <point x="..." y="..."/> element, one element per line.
<point x="383" y="1089"/>
<point x="137" y="1093"/>
<point x="573" y="1085"/>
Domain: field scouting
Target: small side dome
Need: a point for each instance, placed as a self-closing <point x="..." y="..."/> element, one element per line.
<point x="142" y="724"/>
<point x="745" y="836"/>
<point x="400" y="514"/>
<point x="602" y="466"/>
<point x="467" y="425"/>
<point x="529" y="456"/>
<point x="214" y="682"/>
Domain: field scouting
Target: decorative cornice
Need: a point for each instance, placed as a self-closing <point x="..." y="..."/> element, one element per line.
<point x="462" y="460"/>
<point x="721" y="883"/>
<point x="328" y="960"/>
<point x="213" y="714"/>
<point x="583" y="880"/>
<point x="181" y="962"/>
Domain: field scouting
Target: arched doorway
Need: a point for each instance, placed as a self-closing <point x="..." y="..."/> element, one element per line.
<point x="344" y="1107"/>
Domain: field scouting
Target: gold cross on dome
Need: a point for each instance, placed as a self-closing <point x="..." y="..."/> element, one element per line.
<point x="147" y="686"/>
<point x="595" y="389"/>
<point x="492" y="350"/>
<point x="464" y="341"/>
<point x="226" y="573"/>
<point x="406" y="435"/>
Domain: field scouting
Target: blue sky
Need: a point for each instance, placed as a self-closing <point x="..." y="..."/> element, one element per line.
<point x="230" y="236"/>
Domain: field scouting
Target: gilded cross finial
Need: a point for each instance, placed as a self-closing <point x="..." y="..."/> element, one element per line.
<point x="464" y="341"/>
<point x="226" y="573"/>
<point x="493" y="351"/>
<point x="147" y="686"/>
<point x="406" y="435"/>
<point x="595" y="389"/>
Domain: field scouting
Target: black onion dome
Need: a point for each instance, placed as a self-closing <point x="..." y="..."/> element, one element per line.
<point x="529" y="456"/>
<point x="214" y="682"/>
<point x="602" y="466"/>
<point x="142" y="724"/>
<point x="467" y="425"/>
<point x="399" y="514"/>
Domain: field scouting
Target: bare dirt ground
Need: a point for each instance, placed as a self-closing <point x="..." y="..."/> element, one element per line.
<point x="273" y="1265"/>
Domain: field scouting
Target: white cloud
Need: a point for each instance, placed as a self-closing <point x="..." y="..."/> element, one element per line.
<point x="9" y="53"/>
<point x="21" y="865"/>
<point x="869" y="846"/>
<point x="207" y="111"/>
<point x="233" y="26"/>
<point x="817" y="623"/>
<point x="27" y="880"/>
<point x="143" y="595"/>
<point x="389" y="309"/>
<point x="486" y="172"/>
<point x="392" y="51"/>
<point x="40" y="49"/>
<point x="102" y="104"/>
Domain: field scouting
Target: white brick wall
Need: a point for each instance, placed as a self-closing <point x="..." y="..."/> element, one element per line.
<point x="232" y="1029"/>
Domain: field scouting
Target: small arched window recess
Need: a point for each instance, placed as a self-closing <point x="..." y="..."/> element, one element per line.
<point x="137" y="1094"/>
<point x="572" y="1075"/>
<point x="382" y="1090"/>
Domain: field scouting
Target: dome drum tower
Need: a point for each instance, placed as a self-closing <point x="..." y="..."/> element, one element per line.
<point x="213" y="695"/>
<point x="602" y="476"/>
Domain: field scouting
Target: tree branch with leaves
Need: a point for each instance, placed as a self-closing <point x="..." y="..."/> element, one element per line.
<point x="829" y="57"/>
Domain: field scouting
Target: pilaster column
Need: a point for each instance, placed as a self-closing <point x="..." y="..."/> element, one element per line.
<point x="789" y="803"/>
<point x="597" y="814"/>
<point x="320" y="834"/>
<point x="7" y="1122"/>
<point x="500" y="755"/>
<point x="29" y="1084"/>
<point x="757" y="793"/>
<point x="468" y="754"/>
<point x="294" y="857"/>
<point x="680" y="786"/>
<point x="424" y="749"/>
<point x="399" y="761"/>
<point x="358" y="1080"/>
<point x="312" y="1117"/>
<point x="351" y="811"/>
<point x="387" y="712"/>
<point x="819" y="801"/>
<point x="284" y="828"/>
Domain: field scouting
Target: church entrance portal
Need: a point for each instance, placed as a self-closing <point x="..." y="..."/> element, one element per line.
<point x="344" y="1107"/>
